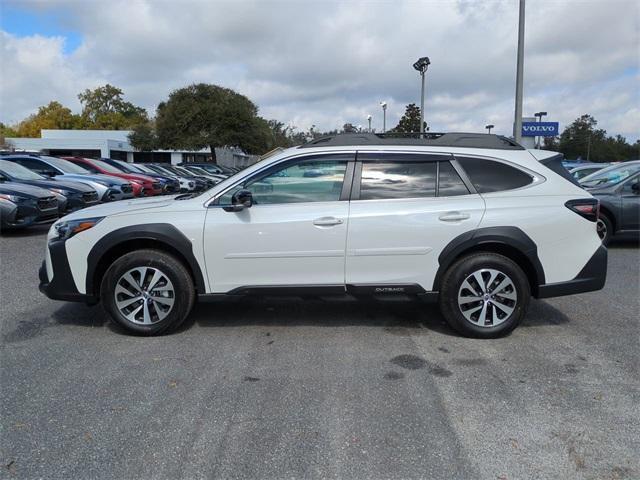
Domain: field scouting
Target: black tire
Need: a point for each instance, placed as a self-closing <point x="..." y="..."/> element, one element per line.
<point x="451" y="285"/>
<point x="605" y="229"/>
<point x="183" y="290"/>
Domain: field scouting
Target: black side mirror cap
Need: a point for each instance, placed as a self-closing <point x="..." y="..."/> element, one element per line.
<point x="239" y="201"/>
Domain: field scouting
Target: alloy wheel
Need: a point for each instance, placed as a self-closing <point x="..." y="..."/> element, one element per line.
<point x="144" y="295"/>
<point x="487" y="297"/>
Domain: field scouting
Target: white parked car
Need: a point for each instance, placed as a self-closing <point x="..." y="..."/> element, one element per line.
<point x="474" y="221"/>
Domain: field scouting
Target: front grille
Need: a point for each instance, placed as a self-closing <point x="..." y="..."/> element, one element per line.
<point x="156" y="185"/>
<point x="47" y="203"/>
<point x="127" y="188"/>
<point x="90" y="197"/>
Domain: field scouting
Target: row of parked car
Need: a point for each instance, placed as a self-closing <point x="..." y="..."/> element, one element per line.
<point x="36" y="189"/>
<point x="616" y="186"/>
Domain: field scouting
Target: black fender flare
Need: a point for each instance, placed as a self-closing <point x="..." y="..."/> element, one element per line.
<point x="160" y="232"/>
<point x="509" y="236"/>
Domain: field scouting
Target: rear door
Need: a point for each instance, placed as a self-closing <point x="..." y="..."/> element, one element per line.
<point x="405" y="208"/>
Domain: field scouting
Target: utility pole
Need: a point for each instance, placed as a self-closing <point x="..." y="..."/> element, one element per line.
<point x="517" y="124"/>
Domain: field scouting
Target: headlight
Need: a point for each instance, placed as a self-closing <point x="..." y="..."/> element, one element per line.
<point x="11" y="198"/>
<point x="69" y="228"/>
<point x="60" y="191"/>
<point x="104" y="183"/>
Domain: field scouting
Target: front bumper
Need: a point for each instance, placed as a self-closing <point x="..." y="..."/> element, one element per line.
<point x="29" y="212"/>
<point x="61" y="286"/>
<point x="592" y="277"/>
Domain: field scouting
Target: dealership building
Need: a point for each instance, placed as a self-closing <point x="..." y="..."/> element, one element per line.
<point x="115" y="144"/>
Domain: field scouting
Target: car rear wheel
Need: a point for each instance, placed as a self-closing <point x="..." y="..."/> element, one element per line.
<point x="148" y="292"/>
<point x="484" y="295"/>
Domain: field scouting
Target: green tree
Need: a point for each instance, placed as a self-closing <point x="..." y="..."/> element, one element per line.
<point x="410" y="121"/>
<point x="52" y="116"/>
<point x="581" y="139"/>
<point x="143" y="137"/>
<point x="203" y="115"/>
<point x="104" y="109"/>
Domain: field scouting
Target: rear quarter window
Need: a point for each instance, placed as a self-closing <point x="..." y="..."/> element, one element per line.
<point x="492" y="176"/>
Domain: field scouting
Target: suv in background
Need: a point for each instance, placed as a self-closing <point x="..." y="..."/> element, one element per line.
<point x="142" y="185"/>
<point x="76" y="195"/>
<point x="473" y="221"/>
<point x="617" y="189"/>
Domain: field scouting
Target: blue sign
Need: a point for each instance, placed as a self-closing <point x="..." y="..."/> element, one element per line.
<point x="540" y="129"/>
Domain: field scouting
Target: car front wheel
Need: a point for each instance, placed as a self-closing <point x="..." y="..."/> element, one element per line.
<point x="148" y="292"/>
<point x="484" y="295"/>
<point x="605" y="229"/>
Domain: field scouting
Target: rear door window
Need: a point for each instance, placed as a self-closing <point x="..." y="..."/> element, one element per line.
<point x="398" y="179"/>
<point x="449" y="182"/>
<point x="493" y="176"/>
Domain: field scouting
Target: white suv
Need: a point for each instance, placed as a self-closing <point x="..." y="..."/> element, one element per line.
<point x="474" y="221"/>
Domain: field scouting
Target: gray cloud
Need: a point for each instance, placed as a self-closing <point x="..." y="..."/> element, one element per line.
<point x="327" y="63"/>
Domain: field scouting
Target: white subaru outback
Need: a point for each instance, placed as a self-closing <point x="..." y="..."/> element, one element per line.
<point x="473" y="221"/>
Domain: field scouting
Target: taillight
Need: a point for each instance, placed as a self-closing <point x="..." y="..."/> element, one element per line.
<point x="588" y="208"/>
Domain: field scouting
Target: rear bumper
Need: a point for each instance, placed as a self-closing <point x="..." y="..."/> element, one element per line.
<point x="592" y="277"/>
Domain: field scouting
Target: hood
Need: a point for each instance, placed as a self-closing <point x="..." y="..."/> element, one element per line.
<point x="60" y="184"/>
<point x="97" y="177"/>
<point x="138" y="177"/>
<point x="22" y="189"/>
<point x="122" y="206"/>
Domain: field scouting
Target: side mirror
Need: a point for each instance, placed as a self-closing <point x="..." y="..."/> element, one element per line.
<point x="239" y="201"/>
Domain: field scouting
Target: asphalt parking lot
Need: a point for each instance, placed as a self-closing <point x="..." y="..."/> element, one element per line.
<point x="275" y="388"/>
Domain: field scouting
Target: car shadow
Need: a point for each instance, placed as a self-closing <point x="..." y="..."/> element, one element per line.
<point x="400" y="316"/>
<point x="33" y="231"/>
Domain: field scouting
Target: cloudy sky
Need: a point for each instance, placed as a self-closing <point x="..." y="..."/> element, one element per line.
<point x="327" y="63"/>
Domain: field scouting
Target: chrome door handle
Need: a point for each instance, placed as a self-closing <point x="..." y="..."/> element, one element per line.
<point x="454" y="217"/>
<point x="327" y="221"/>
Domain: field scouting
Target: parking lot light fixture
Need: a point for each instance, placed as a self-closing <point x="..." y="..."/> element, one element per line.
<point x="369" y="120"/>
<point x="384" y="116"/>
<point x="421" y="66"/>
<point x="489" y="127"/>
<point x="539" y="116"/>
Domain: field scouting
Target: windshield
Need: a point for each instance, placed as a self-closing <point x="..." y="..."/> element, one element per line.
<point x="15" y="170"/>
<point x="66" y="166"/>
<point x="610" y="176"/>
<point x="144" y="169"/>
<point x="183" y="171"/>
<point x="105" y="166"/>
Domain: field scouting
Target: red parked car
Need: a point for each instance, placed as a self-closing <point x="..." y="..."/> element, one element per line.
<point x="142" y="185"/>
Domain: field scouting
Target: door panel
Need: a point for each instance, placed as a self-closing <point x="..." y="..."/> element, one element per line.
<point x="630" y="206"/>
<point x="276" y="245"/>
<point x="294" y="234"/>
<point x="398" y="241"/>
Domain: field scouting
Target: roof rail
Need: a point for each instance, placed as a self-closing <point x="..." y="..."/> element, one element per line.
<point x="465" y="140"/>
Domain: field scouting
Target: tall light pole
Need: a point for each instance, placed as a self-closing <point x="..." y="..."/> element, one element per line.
<point x="421" y="65"/>
<point x="539" y="116"/>
<point x="369" y="120"/>
<point x="517" y="123"/>
<point x="489" y="127"/>
<point x="384" y="116"/>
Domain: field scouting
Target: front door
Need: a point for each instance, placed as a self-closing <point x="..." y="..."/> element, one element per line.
<point x="293" y="235"/>
<point x="630" y="200"/>
<point x="405" y="209"/>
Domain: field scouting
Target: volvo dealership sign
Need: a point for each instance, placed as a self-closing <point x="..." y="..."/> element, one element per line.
<point x="540" y="129"/>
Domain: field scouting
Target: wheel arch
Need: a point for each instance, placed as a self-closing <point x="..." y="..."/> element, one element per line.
<point x="605" y="210"/>
<point x="158" y="236"/>
<point x="511" y="242"/>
